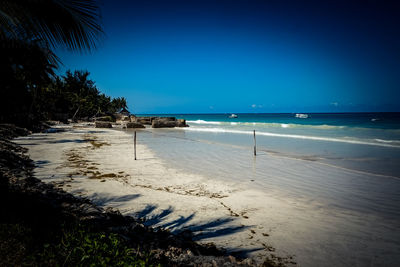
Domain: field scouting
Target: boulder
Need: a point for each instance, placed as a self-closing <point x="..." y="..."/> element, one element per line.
<point x="163" y="123"/>
<point x="134" y="125"/>
<point x="103" y="124"/>
<point x="167" y="118"/>
<point x="106" y="118"/>
<point x="181" y="123"/>
<point x="132" y="118"/>
<point x="144" y="120"/>
<point x="119" y="116"/>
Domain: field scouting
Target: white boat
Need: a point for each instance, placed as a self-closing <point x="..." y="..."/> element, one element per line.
<point x="301" y="116"/>
<point x="233" y="116"/>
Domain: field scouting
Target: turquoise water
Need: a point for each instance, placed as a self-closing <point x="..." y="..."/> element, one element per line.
<point x="346" y="166"/>
<point x="361" y="145"/>
<point x="380" y="129"/>
<point x="383" y="120"/>
<point x="368" y="142"/>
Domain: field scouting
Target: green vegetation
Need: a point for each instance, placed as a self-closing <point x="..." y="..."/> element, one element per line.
<point x="30" y="90"/>
<point x="76" y="96"/>
<point x="82" y="247"/>
<point x="64" y="23"/>
<point x="33" y="232"/>
<point x="76" y="246"/>
<point x="72" y="96"/>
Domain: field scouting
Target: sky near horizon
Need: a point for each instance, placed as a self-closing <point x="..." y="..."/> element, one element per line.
<point x="203" y="56"/>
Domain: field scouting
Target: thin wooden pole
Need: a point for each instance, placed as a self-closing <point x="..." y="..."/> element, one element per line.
<point x="254" y="134"/>
<point x="134" y="144"/>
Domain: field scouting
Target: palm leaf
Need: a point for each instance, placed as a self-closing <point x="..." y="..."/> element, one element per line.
<point x="73" y="24"/>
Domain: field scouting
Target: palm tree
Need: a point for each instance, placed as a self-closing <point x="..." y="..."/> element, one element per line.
<point x="26" y="67"/>
<point x="73" y="24"/>
<point x="30" y="30"/>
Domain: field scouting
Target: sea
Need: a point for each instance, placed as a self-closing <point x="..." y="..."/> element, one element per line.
<point x="366" y="142"/>
<point x="346" y="154"/>
<point x="345" y="164"/>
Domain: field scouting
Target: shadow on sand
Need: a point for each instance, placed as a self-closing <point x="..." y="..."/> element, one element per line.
<point x="153" y="216"/>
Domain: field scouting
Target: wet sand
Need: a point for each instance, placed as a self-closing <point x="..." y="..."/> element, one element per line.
<point x="99" y="164"/>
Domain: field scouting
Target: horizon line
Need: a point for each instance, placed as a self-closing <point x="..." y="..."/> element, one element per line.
<point x="206" y="113"/>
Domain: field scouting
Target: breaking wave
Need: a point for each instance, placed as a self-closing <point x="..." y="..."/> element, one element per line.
<point x="373" y="142"/>
<point x="266" y="124"/>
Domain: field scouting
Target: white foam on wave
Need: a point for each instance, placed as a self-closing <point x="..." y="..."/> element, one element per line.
<point x="204" y="122"/>
<point x="265" y="126"/>
<point x="388" y="141"/>
<point x="295" y="136"/>
<point x="269" y="124"/>
<point x="294" y="125"/>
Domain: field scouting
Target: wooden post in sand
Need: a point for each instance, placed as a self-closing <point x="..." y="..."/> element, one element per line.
<point x="134" y="144"/>
<point x="254" y="134"/>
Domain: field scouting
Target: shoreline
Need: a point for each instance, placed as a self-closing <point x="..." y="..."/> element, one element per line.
<point x="235" y="217"/>
<point x="100" y="166"/>
<point x="43" y="208"/>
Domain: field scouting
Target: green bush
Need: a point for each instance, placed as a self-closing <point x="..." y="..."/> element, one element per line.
<point x="77" y="246"/>
<point x="82" y="247"/>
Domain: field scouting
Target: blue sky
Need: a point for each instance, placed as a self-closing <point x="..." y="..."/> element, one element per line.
<point x="247" y="56"/>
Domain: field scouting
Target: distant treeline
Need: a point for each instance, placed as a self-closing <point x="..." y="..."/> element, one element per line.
<point x="30" y="32"/>
<point x="76" y="96"/>
<point x="71" y="96"/>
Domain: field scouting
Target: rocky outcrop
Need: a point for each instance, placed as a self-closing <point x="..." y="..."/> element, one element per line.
<point x="106" y="118"/>
<point x="103" y="124"/>
<point x="162" y="123"/>
<point x="181" y="123"/>
<point x="166" y="118"/>
<point x="9" y="131"/>
<point x="144" y="120"/>
<point x="168" y="122"/>
<point x="134" y="125"/>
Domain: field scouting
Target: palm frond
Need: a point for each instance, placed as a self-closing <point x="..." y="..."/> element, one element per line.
<point x="73" y="24"/>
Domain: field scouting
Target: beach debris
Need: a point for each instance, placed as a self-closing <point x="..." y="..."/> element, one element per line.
<point x="232" y="213"/>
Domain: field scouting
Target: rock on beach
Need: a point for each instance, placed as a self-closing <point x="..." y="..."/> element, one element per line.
<point x="103" y="124"/>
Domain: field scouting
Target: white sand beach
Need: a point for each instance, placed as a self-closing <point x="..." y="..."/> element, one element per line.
<point x="99" y="164"/>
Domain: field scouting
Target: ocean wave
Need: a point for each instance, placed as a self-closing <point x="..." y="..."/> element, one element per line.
<point x="294" y="125"/>
<point x="204" y="122"/>
<point x="388" y="141"/>
<point x="267" y="124"/>
<point x="372" y="142"/>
